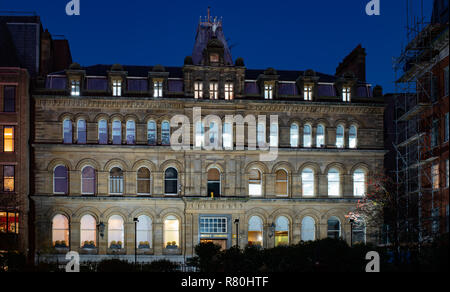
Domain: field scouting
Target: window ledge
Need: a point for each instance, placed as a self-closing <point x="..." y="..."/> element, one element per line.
<point x="145" y="251"/>
<point x="61" y="250"/>
<point x="172" y="251"/>
<point x="84" y="250"/>
<point x="117" y="251"/>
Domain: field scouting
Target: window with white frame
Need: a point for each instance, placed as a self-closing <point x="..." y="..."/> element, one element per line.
<point x="151" y="133"/>
<point x="88" y="180"/>
<point x="352" y="137"/>
<point x="157" y="88"/>
<point x="320" y="136"/>
<point x="60" y="231"/>
<point x="144" y="230"/>
<point x="171" y="232"/>
<point x="88" y="231"/>
<point x="198" y="89"/>
<point x="102" y="132"/>
<point x="131" y="132"/>
<point x="228" y="136"/>
<point x="307" y="135"/>
<point x="213" y="224"/>
<point x="268" y="91"/>
<point x="308" y="93"/>
<point x="308" y="182"/>
<point x="117" y="87"/>
<point x="143" y="181"/>
<point x="273" y="135"/>
<point x="229" y="91"/>
<point x="340" y="136"/>
<point x="165" y="133"/>
<point x="359" y="183"/>
<point x="281" y="183"/>
<point x="333" y="183"/>
<point x="213" y="90"/>
<point x="60" y="180"/>
<point x="116" y="234"/>
<point x="254" y="183"/>
<point x="75" y="88"/>
<point x="308" y="229"/>
<point x="116" y="181"/>
<point x="117" y="132"/>
<point x="346" y="94"/>
<point x="294" y="135"/>
<point x="67" y="131"/>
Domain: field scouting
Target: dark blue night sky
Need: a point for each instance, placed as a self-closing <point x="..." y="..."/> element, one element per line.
<point x="293" y="35"/>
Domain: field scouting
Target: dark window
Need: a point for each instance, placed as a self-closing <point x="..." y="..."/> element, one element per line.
<point x="171" y="181"/>
<point x="60" y="180"/>
<point x="8" y="178"/>
<point x="116" y="181"/>
<point x="213" y="182"/>
<point x="67" y="130"/>
<point x="9" y="103"/>
<point x="143" y="181"/>
<point x="88" y="180"/>
<point x="117" y="132"/>
<point x="81" y="127"/>
<point x="334" y="228"/>
<point x="102" y="132"/>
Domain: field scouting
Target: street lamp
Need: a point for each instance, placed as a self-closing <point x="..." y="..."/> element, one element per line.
<point x="101" y="229"/>
<point x="135" y="220"/>
<point x="236" y="221"/>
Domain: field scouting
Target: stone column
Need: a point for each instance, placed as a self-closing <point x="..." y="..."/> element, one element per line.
<point x="158" y="183"/>
<point x="74" y="182"/>
<point x="129" y="241"/>
<point x="296" y="232"/>
<point x="102" y="183"/>
<point x="158" y="245"/>
<point x="74" y="235"/>
<point x="322" y="185"/>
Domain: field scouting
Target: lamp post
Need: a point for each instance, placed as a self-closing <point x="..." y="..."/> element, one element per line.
<point x="136" y="220"/>
<point x="236" y="221"/>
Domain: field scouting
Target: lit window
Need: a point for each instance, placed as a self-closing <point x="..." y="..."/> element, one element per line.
<point x="346" y="94"/>
<point x="308" y="182"/>
<point x="307" y="93"/>
<point x="171" y="181"/>
<point x="333" y="183"/>
<point x="199" y="132"/>
<point x="198" y="90"/>
<point x="171" y="232"/>
<point x="281" y="231"/>
<point x="214" y="58"/>
<point x="273" y="135"/>
<point x="8" y="178"/>
<point x="151" y="133"/>
<point x="165" y="133"/>
<point x="9" y="222"/>
<point x="254" y="183"/>
<point x="116" y="232"/>
<point x="60" y="231"/>
<point x="60" y="180"/>
<point x="359" y="231"/>
<point x="143" y="181"/>
<point x="352" y="137"/>
<point x="81" y="131"/>
<point x="435" y="176"/>
<point x="117" y="87"/>
<point x="102" y="132"/>
<point x="8" y="139"/>
<point x="213" y="224"/>
<point x="9" y="99"/>
<point x="67" y="131"/>
<point x="213" y="134"/>
<point x="229" y="93"/>
<point x="75" y="88"/>
<point x="340" y="136"/>
<point x="268" y="91"/>
<point x="213" y="90"/>
<point x="131" y="132"/>
<point x="157" y="88"/>
<point x="117" y="132"/>
<point x="214" y="182"/>
<point x="144" y="232"/>
<point x="359" y="183"/>
<point x="308" y="229"/>
<point x="88" y="231"/>
<point x="294" y="135"/>
<point x="334" y="228"/>
<point x="116" y="181"/>
<point x="228" y="136"/>
<point x="255" y="231"/>
<point x="320" y="136"/>
<point x="261" y="132"/>
<point x="281" y="183"/>
<point x="88" y="180"/>
<point x="307" y="136"/>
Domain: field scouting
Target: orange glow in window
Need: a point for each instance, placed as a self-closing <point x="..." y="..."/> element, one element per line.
<point x="8" y="137"/>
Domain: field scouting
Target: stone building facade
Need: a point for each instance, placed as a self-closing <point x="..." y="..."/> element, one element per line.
<point x="108" y="184"/>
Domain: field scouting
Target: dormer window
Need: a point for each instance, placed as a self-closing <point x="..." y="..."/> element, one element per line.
<point x="213" y="90"/>
<point x="75" y="88"/>
<point x="346" y="94"/>
<point x="117" y="87"/>
<point x="198" y="90"/>
<point x="268" y="91"/>
<point x="157" y="88"/>
<point x="229" y="94"/>
<point x="214" y="58"/>
<point x="307" y="93"/>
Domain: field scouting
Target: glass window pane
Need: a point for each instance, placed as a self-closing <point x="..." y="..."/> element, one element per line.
<point x="8" y="139"/>
<point x="308" y="229"/>
<point x="171" y="232"/>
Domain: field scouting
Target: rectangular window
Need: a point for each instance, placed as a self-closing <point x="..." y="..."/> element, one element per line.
<point x="346" y="94"/>
<point x="307" y="93"/>
<point x="273" y="135"/>
<point x="117" y="88"/>
<point x="75" y="88"/>
<point x="9" y="99"/>
<point x="8" y="178"/>
<point x="8" y="139"/>
<point x="158" y="88"/>
<point x="435" y="176"/>
<point x="229" y="94"/>
<point x="198" y="90"/>
<point x="268" y="91"/>
<point x="213" y="225"/>
<point x="228" y="136"/>
<point x="9" y="222"/>
<point x="214" y="90"/>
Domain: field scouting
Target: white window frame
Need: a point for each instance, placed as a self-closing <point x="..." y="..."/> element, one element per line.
<point x="121" y="182"/>
<point x="268" y="91"/>
<point x="117" y="87"/>
<point x="158" y="88"/>
<point x="198" y="89"/>
<point x="213" y="90"/>
<point x="346" y="94"/>
<point x="307" y="138"/>
<point x="308" y="93"/>
<point x="75" y="87"/>
<point x="229" y="91"/>
<point x="306" y="171"/>
<point x="320" y="138"/>
<point x="294" y="135"/>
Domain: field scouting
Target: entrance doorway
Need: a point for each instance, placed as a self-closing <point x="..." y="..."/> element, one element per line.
<point x="220" y="242"/>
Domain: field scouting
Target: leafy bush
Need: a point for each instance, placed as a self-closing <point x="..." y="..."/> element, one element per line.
<point x="160" y="266"/>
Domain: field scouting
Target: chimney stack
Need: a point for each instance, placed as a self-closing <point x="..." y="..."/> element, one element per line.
<point x="354" y="62"/>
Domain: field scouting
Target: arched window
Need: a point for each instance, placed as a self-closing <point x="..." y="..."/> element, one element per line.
<point x="151" y="133"/>
<point x="171" y="181"/>
<point x="117" y="132"/>
<point x="171" y="232"/>
<point x="359" y="183"/>
<point x="116" y="232"/>
<point x="254" y="183"/>
<point x="88" y="231"/>
<point x="165" y="133"/>
<point x="352" y="137"/>
<point x="273" y="135"/>
<point x="359" y="231"/>
<point x="340" y="136"/>
<point x="60" y="180"/>
<point x="116" y="181"/>
<point x="308" y="229"/>
<point x="228" y="136"/>
<point x="143" y="181"/>
<point x="60" y="231"/>
<point x="320" y="136"/>
<point x="334" y="189"/>
<point x="334" y="228"/>
<point x="214" y="182"/>
<point x="261" y="134"/>
<point x="81" y="131"/>
<point x="308" y="182"/>
<point x="102" y="132"/>
<point x="131" y="132"/>
<point x="281" y="231"/>
<point x="281" y="183"/>
<point x="199" y="134"/>
<point x="144" y="232"/>
<point x="213" y="133"/>
<point x="88" y="180"/>
<point x="294" y="135"/>
<point x="307" y="136"/>
<point x="67" y="131"/>
<point x="255" y="231"/>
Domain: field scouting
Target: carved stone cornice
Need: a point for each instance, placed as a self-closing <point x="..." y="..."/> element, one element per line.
<point x="117" y="104"/>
